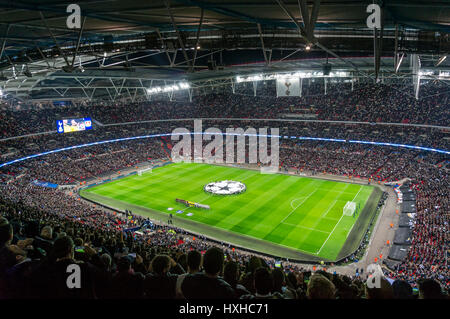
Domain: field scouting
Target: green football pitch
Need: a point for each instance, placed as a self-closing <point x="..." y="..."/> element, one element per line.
<point x="279" y="210"/>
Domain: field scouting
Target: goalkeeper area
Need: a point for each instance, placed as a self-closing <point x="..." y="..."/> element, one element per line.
<point x="349" y="209"/>
<point x="281" y="215"/>
<point x="145" y="170"/>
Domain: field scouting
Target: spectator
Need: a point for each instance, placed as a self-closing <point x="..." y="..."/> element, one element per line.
<point x="430" y="289"/>
<point x="7" y="257"/>
<point x="6" y="235"/>
<point x="320" y="287"/>
<point x="160" y="283"/>
<point x="126" y="284"/>
<point x="279" y="284"/>
<point x="345" y="289"/>
<point x="103" y="277"/>
<point x="263" y="286"/>
<point x="208" y="285"/>
<point x="51" y="278"/>
<point x="402" y="290"/>
<point x="231" y="276"/>
<point x="248" y="279"/>
<point x="45" y="240"/>
<point x="384" y="291"/>
<point x="194" y="261"/>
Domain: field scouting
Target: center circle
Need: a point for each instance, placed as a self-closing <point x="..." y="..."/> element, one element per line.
<point x="225" y="187"/>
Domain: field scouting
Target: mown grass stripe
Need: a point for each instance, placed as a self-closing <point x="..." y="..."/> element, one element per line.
<point x="265" y="211"/>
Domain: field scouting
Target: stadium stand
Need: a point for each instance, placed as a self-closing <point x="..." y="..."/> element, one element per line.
<point x="28" y="208"/>
<point x="365" y="103"/>
<point x="354" y="103"/>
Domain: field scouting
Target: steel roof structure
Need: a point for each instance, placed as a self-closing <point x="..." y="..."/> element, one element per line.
<point x="125" y="47"/>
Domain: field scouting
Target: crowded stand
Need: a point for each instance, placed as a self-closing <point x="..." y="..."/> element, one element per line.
<point x="44" y="228"/>
<point x="365" y="103"/>
<point x="47" y="225"/>
<point x="419" y="136"/>
<point x="206" y="158"/>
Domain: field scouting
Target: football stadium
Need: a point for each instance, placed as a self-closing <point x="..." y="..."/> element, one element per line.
<point x="228" y="150"/>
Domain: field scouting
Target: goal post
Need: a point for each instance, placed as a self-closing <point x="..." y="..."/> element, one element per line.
<point x="349" y="209"/>
<point x="145" y="170"/>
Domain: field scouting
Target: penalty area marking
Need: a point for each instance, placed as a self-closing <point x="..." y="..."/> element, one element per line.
<point x="329" y="208"/>
<point x="293" y="201"/>
<point x="335" y="201"/>
<point x="297" y="206"/>
<point x="300" y="226"/>
<point x="318" y="252"/>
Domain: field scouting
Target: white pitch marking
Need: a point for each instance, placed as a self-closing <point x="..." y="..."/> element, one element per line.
<point x="300" y="226"/>
<point x="331" y="206"/>
<point x="335" y="201"/>
<point x="360" y="188"/>
<point x="292" y="201"/>
<point x="297" y="206"/>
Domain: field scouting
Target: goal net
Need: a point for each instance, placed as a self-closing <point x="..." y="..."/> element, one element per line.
<point x="139" y="172"/>
<point x="349" y="208"/>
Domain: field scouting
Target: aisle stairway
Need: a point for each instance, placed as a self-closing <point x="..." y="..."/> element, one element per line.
<point x="166" y="145"/>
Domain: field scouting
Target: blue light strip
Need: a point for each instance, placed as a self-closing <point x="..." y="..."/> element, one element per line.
<point x="428" y="149"/>
<point x="321" y="139"/>
<point x="421" y="148"/>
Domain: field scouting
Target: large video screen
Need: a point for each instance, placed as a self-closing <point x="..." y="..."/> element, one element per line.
<point x="73" y="125"/>
<point x="62" y="103"/>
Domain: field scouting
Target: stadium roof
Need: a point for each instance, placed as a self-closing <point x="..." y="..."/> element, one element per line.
<point x="201" y="40"/>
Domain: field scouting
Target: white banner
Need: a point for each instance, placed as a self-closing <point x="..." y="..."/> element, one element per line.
<point x="288" y="87"/>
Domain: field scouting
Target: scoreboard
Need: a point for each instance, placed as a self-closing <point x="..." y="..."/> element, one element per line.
<point x="73" y="125"/>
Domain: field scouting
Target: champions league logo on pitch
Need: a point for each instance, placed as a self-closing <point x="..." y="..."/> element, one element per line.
<point x="236" y="142"/>
<point x="225" y="188"/>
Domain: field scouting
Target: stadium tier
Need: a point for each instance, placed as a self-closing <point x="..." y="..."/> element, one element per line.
<point x="215" y="175"/>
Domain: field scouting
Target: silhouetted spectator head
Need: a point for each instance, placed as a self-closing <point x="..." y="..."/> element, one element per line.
<point x="106" y="261"/>
<point x="278" y="279"/>
<point x="254" y="263"/>
<point x="231" y="273"/>
<point x="327" y="275"/>
<point x="47" y="232"/>
<point x="263" y="281"/>
<point x="291" y="280"/>
<point x="346" y="280"/>
<point x="161" y="264"/>
<point x="320" y="287"/>
<point x="213" y="261"/>
<point x="32" y="228"/>
<point x="70" y="232"/>
<point x="430" y="289"/>
<point x="194" y="261"/>
<point x="402" y="290"/>
<point x="384" y="291"/>
<point x="181" y="260"/>
<point x="63" y="247"/>
<point x="16" y="225"/>
<point x="6" y="231"/>
<point x="124" y="264"/>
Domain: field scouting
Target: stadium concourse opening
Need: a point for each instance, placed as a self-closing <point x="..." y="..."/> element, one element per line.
<point x="320" y="170"/>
